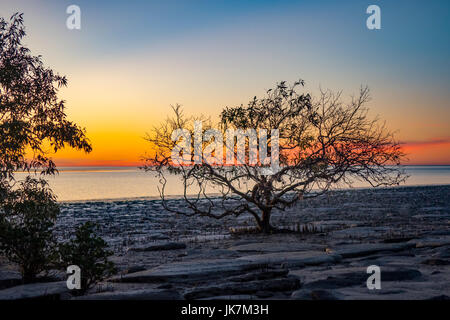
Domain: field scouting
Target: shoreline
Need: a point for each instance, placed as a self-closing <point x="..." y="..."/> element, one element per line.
<point x="180" y="197"/>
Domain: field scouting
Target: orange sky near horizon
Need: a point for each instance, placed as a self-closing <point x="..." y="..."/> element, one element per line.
<point x="119" y="107"/>
<point x="118" y="119"/>
<point x="118" y="112"/>
<point x="427" y="153"/>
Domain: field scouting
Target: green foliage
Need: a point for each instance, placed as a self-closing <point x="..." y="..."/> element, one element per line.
<point x="32" y="117"/>
<point x="89" y="252"/>
<point x="27" y="217"/>
<point x="33" y="120"/>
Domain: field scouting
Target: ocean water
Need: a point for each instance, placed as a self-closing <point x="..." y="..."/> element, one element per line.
<point x="99" y="183"/>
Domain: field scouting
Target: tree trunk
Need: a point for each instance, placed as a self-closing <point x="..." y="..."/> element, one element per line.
<point x="264" y="225"/>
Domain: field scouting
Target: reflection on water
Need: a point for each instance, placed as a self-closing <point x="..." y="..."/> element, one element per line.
<point x="89" y="183"/>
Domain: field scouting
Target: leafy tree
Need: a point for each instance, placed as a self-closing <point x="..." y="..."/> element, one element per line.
<point x="32" y="121"/>
<point x="89" y="252"/>
<point x="31" y="115"/>
<point x="323" y="143"/>
<point x="27" y="217"/>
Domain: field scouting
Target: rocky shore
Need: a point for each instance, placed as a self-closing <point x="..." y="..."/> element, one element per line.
<point x="405" y="231"/>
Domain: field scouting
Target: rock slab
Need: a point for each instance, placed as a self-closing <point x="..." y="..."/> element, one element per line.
<point x="286" y="284"/>
<point x="160" y="247"/>
<point x="47" y="290"/>
<point x="189" y="270"/>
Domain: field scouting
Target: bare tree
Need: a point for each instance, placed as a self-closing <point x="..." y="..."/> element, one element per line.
<point x="323" y="143"/>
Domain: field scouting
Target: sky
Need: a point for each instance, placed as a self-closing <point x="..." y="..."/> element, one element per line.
<point x="131" y="60"/>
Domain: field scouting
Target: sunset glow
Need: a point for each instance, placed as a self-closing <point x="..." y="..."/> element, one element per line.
<point x="128" y="64"/>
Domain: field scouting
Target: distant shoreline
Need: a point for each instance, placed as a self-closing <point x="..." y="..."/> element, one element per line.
<point x="128" y="183"/>
<point x="180" y="197"/>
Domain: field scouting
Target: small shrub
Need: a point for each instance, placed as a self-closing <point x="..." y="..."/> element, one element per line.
<point x="89" y="252"/>
<point x="27" y="217"/>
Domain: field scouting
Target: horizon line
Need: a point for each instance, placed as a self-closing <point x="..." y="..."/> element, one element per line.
<point x="136" y="166"/>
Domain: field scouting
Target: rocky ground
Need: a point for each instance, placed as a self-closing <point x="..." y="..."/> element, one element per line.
<point x="405" y="231"/>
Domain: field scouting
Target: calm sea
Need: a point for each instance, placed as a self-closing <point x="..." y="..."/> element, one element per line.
<point x="99" y="183"/>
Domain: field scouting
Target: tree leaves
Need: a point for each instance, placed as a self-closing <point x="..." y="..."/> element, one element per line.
<point x="30" y="112"/>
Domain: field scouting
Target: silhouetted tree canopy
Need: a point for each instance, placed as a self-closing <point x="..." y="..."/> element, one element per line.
<point x="32" y="118"/>
<point x="323" y="143"/>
